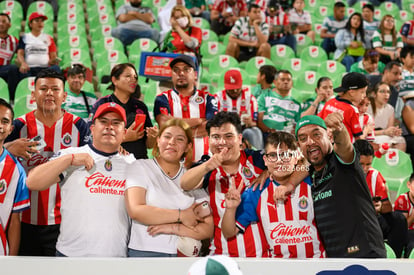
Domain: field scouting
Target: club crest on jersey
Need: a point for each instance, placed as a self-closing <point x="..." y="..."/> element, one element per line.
<point x="3" y="186"/>
<point x="247" y="172"/>
<point x="67" y="139"/>
<point x="303" y="203"/>
<point x="199" y="100"/>
<point x="108" y="165"/>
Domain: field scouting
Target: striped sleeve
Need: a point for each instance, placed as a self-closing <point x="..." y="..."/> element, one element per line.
<point x="237" y="29"/>
<point x="21" y="198"/>
<point x="376" y="40"/>
<point x="161" y="105"/>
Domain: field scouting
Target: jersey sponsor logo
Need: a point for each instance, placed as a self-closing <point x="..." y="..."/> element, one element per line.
<point x="291" y="234"/>
<point x="223" y="204"/>
<point x="322" y="195"/>
<point x="66" y="140"/>
<point x="3" y="186"/>
<point x="36" y="160"/>
<point x="101" y="184"/>
<point x="303" y="203"/>
<point x="334" y="109"/>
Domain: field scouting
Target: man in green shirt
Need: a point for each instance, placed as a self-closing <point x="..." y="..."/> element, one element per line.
<point x="277" y="109"/>
<point x="78" y="102"/>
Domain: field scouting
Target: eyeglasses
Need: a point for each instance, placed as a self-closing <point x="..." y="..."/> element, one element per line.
<point x="185" y="70"/>
<point x="389" y="20"/>
<point x="382" y="91"/>
<point x="281" y="156"/>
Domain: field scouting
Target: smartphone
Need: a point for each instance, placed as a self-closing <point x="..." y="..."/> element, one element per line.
<point x="202" y="209"/>
<point x="41" y="144"/>
<point x="140" y="118"/>
<point x="376" y="198"/>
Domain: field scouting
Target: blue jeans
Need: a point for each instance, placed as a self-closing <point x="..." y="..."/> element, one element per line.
<point x="35" y="70"/>
<point x="288" y="40"/>
<point x="128" y="36"/>
<point x="254" y="136"/>
<point x="148" y="254"/>
<point x="349" y="60"/>
<point x="328" y="44"/>
<point x="10" y="73"/>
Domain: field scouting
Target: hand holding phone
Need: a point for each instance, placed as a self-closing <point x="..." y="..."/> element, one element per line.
<point x="202" y="209"/>
<point x="41" y="143"/>
<point x="140" y="119"/>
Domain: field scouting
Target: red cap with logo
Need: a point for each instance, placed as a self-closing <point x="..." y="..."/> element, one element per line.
<point x="110" y="107"/>
<point x="233" y="80"/>
<point x="35" y="15"/>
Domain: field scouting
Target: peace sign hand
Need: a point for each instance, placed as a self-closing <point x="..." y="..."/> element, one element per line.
<point x="233" y="195"/>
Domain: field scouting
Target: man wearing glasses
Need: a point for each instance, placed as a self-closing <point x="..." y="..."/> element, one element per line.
<point x="185" y="101"/>
<point x="78" y="102"/>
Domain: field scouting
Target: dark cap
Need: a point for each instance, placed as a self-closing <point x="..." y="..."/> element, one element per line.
<point x="273" y="5"/>
<point x="76" y="69"/>
<point x="186" y="59"/>
<point x="352" y="81"/>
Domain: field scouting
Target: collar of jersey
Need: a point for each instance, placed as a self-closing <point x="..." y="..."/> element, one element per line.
<point x="102" y="153"/>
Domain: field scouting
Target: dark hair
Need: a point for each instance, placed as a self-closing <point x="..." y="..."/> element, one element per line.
<point x="117" y="70"/>
<point x="281" y="137"/>
<point x="282" y="72"/>
<point x="49" y="73"/>
<point x="363" y="147"/>
<point x="224" y="117"/>
<point x="7" y="105"/>
<point x="5" y="14"/>
<point x="269" y="71"/>
<point x="322" y="79"/>
<point x="369" y="6"/>
<point x="76" y="69"/>
<point x="339" y="5"/>
<point x="360" y="29"/>
<point x="407" y="50"/>
<point x="411" y="177"/>
<point x="391" y="64"/>
<point x="371" y="55"/>
<point x="253" y="6"/>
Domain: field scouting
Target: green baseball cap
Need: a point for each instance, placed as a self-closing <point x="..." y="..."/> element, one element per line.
<point x="309" y="120"/>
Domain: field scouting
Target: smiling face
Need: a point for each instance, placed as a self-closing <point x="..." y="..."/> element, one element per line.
<point x="315" y="144"/>
<point x="49" y="94"/>
<point x="108" y="132"/>
<point x="126" y="82"/>
<point x="76" y="82"/>
<point x="6" y="126"/>
<point x="225" y="137"/>
<point x="173" y="144"/>
<point x="279" y="160"/>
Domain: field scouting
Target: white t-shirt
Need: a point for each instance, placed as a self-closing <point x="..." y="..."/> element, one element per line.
<point x="95" y="222"/>
<point x="161" y="191"/>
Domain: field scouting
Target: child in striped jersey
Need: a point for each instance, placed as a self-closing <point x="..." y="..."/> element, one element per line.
<point x="289" y="225"/>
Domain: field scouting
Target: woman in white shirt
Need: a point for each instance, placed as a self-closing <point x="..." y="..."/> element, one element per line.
<point x="160" y="209"/>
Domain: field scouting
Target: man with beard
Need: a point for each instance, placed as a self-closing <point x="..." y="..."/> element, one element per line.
<point x="277" y="109"/>
<point x="134" y="21"/>
<point x="344" y="213"/>
<point x="185" y="101"/>
<point x="235" y="99"/>
<point x="36" y="136"/>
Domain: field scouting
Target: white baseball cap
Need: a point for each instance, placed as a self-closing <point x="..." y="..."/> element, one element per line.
<point x="215" y="265"/>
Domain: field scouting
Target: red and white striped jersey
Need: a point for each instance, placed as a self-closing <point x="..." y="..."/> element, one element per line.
<point x="376" y="184"/>
<point x="8" y="47"/>
<point x="68" y="131"/>
<point x="200" y="104"/>
<point x="14" y="195"/>
<point x="289" y="225"/>
<point x="246" y="103"/>
<point x="364" y="120"/>
<point x="253" y="242"/>
<point x="404" y="204"/>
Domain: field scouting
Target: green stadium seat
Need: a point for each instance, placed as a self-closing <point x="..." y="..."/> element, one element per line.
<point x="24" y="105"/>
<point x="207" y="87"/>
<point x="76" y="55"/>
<point x="221" y="63"/>
<point x="87" y="87"/>
<point x="225" y="38"/>
<point x="395" y="166"/>
<point x="402" y="189"/>
<point x="101" y="47"/>
<point x="119" y="3"/>
<point x="306" y="84"/>
<point x="279" y="53"/>
<point x="313" y="56"/>
<point x="351" y="10"/>
<point x="24" y="88"/>
<point x="14" y="7"/>
<point x="138" y="46"/>
<point x="332" y="69"/>
<point x="209" y="50"/>
<point x="97" y="20"/>
<point x="411" y="256"/>
<point x="66" y="43"/>
<point x="149" y="90"/>
<point x="408" y="5"/>
<point x="101" y="32"/>
<point x="295" y="66"/>
<point x="390" y="251"/>
<point x="4" y="90"/>
<point x="209" y="35"/>
<point x="317" y="27"/>
<point x="302" y="42"/>
<point x="404" y="15"/>
<point x="252" y="68"/>
<point x="359" y="5"/>
<point x="322" y="12"/>
<point x="312" y="5"/>
<point x="105" y="63"/>
<point x="201" y="23"/>
<point x="389" y="8"/>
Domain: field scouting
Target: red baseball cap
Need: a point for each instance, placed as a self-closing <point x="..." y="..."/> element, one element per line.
<point x="233" y="80"/>
<point x="35" y="15"/>
<point x="110" y="107"/>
